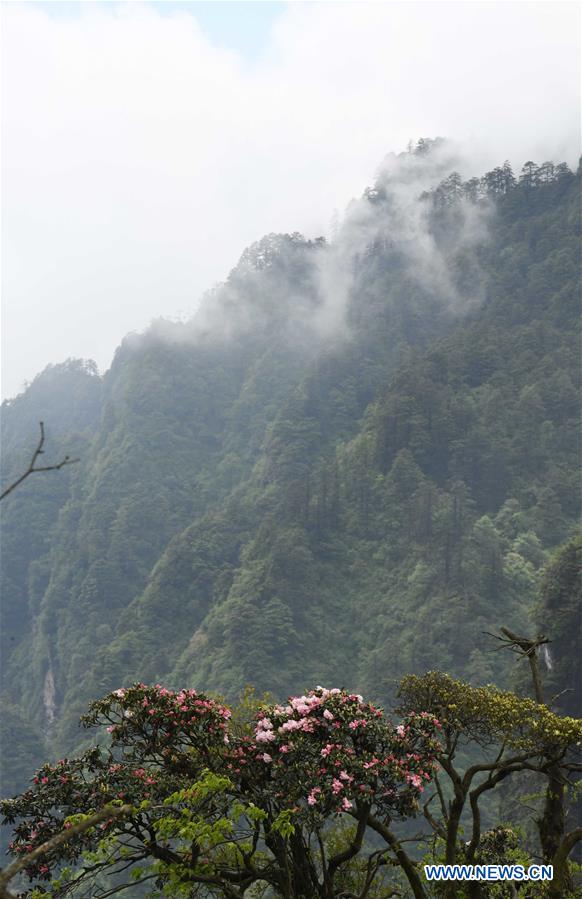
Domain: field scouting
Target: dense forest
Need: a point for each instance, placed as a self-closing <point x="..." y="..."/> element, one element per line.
<point x="354" y="464"/>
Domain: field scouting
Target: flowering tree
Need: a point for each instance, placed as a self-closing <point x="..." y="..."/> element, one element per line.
<point x="161" y="741"/>
<point x="330" y="754"/>
<point x="206" y="810"/>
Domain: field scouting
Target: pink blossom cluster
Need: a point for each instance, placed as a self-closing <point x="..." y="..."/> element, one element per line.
<point x="342" y="751"/>
<point x="186" y="715"/>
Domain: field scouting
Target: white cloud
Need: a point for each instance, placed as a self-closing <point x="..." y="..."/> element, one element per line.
<point x="139" y="159"/>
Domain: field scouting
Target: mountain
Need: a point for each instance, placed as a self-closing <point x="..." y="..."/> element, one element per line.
<point x="355" y="459"/>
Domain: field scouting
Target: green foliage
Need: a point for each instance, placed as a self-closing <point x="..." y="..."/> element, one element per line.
<point x="491" y="715"/>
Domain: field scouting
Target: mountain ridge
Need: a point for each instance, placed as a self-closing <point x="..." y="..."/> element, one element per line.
<point x="271" y="498"/>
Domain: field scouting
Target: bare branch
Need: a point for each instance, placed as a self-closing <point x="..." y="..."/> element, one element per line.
<point x="33" y="467"/>
<point x="556" y="696"/>
<point x="436" y="825"/>
<point x="526" y="648"/>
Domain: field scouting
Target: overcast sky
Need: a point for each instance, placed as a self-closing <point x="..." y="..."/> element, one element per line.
<point x="146" y="144"/>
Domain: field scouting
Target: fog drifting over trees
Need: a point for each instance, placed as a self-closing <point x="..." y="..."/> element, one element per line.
<point x="141" y="156"/>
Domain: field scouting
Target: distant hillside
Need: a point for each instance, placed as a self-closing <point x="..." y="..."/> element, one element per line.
<point x="354" y="460"/>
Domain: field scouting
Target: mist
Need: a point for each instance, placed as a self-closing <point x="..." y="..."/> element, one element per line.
<point x="395" y="213"/>
<point x="306" y="292"/>
<point x="140" y="158"/>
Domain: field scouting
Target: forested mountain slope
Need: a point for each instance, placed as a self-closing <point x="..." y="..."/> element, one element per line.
<point x="353" y="460"/>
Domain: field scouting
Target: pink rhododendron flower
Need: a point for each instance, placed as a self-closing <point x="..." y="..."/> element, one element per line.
<point x="289" y="726"/>
<point x="265" y="736"/>
<point x="312" y="798"/>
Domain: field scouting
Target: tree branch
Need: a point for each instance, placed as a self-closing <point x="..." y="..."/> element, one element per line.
<point x="33" y="467"/>
<point x="64" y="836"/>
<point x="404" y="860"/>
<point x="355" y="845"/>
